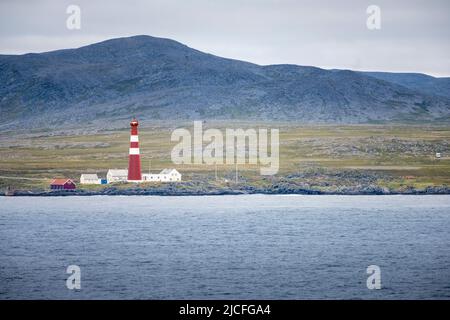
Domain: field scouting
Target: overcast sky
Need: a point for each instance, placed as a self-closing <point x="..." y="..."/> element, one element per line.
<point x="414" y="34"/>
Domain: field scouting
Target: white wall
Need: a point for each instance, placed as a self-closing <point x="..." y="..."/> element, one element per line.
<point x="89" y="181"/>
<point x="110" y="178"/>
<point x="173" y="177"/>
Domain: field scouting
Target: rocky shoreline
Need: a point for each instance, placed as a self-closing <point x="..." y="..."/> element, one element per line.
<point x="312" y="182"/>
<point x="174" y="190"/>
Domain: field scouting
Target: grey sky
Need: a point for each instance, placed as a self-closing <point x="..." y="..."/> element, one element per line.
<point x="414" y="35"/>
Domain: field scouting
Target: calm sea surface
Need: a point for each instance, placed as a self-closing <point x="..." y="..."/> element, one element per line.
<point x="225" y="247"/>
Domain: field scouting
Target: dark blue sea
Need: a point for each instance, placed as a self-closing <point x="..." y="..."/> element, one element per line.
<point x="225" y="247"/>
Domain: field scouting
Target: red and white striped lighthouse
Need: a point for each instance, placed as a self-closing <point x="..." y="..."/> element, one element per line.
<point x="134" y="160"/>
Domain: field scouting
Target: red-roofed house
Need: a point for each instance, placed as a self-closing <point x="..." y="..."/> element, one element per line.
<point x="62" y="184"/>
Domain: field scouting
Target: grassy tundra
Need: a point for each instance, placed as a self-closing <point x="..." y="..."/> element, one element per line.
<point x="319" y="157"/>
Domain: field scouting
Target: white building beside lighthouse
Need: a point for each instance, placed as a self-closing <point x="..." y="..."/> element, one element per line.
<point x="88" y="178"/>
<point x="170" y="175"/>
<point x="167" y="175"/>
<point x="117" y="175"/>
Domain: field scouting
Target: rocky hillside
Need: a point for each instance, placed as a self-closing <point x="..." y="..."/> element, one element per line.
<point x="156" y="78"/>
<point x="416" y="81"/>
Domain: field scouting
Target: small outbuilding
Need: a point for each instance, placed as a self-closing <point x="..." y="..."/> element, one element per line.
<point x="62" y="184"/>
<point x="117" y="175"/>
<point x="169" y="175"/>
<point x="89" y="178"/>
